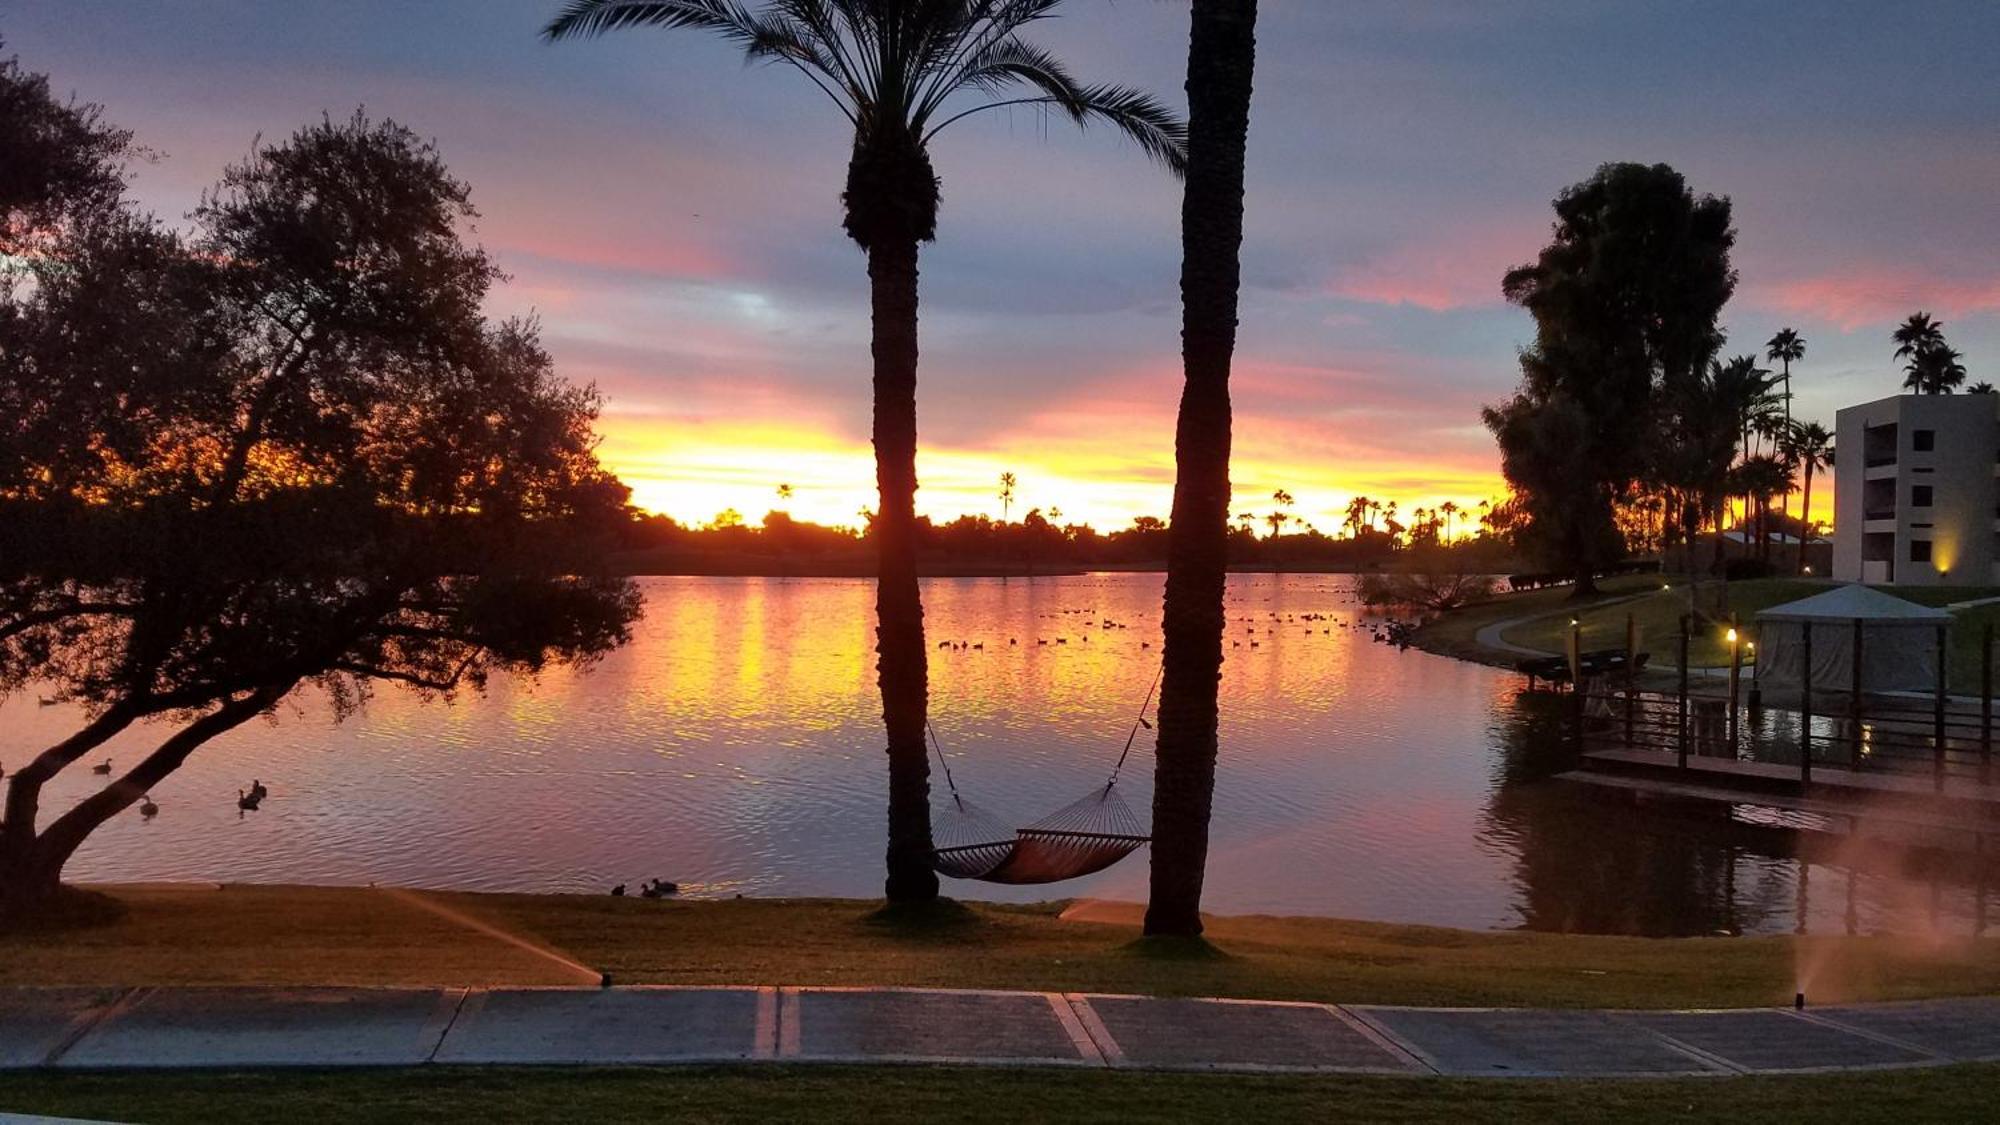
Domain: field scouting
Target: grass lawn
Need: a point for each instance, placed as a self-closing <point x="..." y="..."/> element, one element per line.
<point x="298" y="935"/>
<point x="869" y="1095"/>
<point x="1453" y="633"/>
<point x="1659" y="614"/>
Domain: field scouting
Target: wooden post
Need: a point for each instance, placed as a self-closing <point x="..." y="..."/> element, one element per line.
<point x="1632" y="677"/>
<point x="1986" y="708"/>
<point x="1854" y="704"/>
<point x="1805" y="706"/>
<point x="1937" y="712"/>
<point x="1735" y="679"/>
<point x="1576" y="685"/>
<point x="1683" y="752"/>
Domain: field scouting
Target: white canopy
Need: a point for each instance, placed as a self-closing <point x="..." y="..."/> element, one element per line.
<point x="1899" y="641"/>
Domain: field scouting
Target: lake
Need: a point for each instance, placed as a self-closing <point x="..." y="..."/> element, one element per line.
<point x="735" y="748"/>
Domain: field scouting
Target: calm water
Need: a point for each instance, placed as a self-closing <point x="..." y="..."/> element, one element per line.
<point x="734" y="747"/>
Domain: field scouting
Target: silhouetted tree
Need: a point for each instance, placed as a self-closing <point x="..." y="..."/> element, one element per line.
<point x="1808" y="447"/>
<point x="1786" y="348"/>
<point x="310" y="462"/>
<point x="1625" y="299"/>
<point x="1935" y="371"/>
<point x="1222" y="51"/>
<point x="894" y="71"/>
<point x="1980" y="388"/>
<point x="1006" y="495"/>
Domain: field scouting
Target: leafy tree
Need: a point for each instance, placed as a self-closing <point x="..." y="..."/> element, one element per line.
<point x="64" y="164"/>
<point x="899" y="73"/>
<point x="1625" y="300"/>
<point x="307" y="461"/>
<point x="1222" y="52"/>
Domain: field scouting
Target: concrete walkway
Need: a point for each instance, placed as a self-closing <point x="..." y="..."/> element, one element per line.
<point x="336" y="1027"/>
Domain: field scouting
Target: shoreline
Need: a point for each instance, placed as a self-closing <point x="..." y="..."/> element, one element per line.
<point x="278" y="935"/>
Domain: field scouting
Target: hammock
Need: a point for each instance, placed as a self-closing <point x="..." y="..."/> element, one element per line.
<point x="1081" y="838"/>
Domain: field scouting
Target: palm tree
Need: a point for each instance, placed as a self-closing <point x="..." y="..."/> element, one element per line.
<point x="1809" y="447"/>
<point x="1935" y="371"/>
<point x="1007" y="483"/>
<point x="1759" y="479"/>
<point x="1222" y="51"/>
<point x="1917" y="335"/>
<point x="1449" y="509"/>
<point x="1357" y="514"/>
<point x="1980" y="388"/>
<point x="899" y="73"/>
<point x="784" y="494"/>
<point x="1784" y="348"/>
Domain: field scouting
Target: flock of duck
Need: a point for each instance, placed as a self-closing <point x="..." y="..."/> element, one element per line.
<point x="1387" y="632"/>
<point x="247" y="800"/>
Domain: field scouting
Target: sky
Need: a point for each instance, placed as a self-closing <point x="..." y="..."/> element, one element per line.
<point x="672" y="217"/>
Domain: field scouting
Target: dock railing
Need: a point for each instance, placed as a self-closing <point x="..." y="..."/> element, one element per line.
<point x="1949" y="737"/>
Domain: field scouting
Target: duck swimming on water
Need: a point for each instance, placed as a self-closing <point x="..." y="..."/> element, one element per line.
<point x="103" y="767"/>
<point x="147" y="808"/>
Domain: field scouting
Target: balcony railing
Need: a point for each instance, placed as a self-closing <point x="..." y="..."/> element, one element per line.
<point x="1879" y="514"/>
<point x="1880" y="460"/>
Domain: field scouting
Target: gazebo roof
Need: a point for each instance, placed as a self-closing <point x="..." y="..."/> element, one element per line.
<point x="1856" y="602"/>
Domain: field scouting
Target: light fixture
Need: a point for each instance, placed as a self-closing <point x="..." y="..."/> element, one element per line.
<point x="1732" y="636"/>
<point x="1807" y="570"/>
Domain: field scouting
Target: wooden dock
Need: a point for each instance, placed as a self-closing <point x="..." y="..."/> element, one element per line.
<point x="1863" y="799"/>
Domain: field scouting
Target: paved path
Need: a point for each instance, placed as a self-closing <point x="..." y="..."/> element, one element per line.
<point x="325" y="1027"/>
<point x="1488" y="636"/>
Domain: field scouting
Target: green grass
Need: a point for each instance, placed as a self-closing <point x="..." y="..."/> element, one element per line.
<point x="303" y="935"/>
<point x="1454" y="633"/>
<point x="1659" y="614"/>
<point x="873" y="1095"/>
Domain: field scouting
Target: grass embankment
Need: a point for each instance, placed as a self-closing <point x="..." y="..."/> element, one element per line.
<point x="1456" y="633"/>
<point x="1658" y="615"/>
<point x="299" y="936"/>
<point x="869" y="1095"/>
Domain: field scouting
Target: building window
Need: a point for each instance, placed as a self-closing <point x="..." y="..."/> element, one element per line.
<point x="1920" y="496"/>
<point x="1920" y="550"/>
<point x="1923" y="441"/>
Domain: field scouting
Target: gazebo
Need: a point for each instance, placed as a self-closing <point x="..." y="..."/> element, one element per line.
<point x="1859" y="639"/>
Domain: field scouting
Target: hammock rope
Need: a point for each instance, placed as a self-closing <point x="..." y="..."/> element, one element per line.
<point x="1081" y="838"/>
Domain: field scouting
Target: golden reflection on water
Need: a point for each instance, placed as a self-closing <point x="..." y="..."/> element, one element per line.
<point x="735" y="747"/>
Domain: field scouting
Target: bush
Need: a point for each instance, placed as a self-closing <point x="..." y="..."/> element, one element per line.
<point x="1435" y="592"/>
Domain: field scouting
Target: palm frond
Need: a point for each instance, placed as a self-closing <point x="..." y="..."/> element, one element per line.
<point x="1140" y="116"/>
<point x="779" y="37"/>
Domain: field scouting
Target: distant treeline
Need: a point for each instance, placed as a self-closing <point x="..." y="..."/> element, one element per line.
<point x="655" y="544"/>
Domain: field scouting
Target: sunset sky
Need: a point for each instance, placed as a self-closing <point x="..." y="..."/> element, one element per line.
<point x="673" y="218"/>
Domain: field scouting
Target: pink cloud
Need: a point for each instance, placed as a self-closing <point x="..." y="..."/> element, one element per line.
<point x="1855" y="300"/>
<point x="1455" y="269"/>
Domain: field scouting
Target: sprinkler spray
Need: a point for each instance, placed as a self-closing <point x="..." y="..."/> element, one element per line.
<point x="1798" y="1002"/>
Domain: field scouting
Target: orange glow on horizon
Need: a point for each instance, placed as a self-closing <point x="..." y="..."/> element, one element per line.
<point x="694" y="470"/>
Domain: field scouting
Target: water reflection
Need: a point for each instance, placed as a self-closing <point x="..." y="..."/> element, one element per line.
<point x="735" y="747"/>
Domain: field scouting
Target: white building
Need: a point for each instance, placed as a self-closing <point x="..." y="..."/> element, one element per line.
<point x="1915" y="493"/>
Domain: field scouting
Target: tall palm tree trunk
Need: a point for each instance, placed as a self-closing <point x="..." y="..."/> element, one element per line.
<point x="901" y="664"/>
<point x="1805" y="519"/>
<point x="1222" y="49"/>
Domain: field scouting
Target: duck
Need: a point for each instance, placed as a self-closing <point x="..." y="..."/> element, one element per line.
<point x="247" y="802"/>
<point x="659" y="888"/>
<point x="147" y="808"/>
<point x="618" y="891"/>
<point x="103" y="767"/>
<point x="257" y="790"/>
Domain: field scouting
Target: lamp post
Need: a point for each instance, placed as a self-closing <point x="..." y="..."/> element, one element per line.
<point x="1735" y="677"/>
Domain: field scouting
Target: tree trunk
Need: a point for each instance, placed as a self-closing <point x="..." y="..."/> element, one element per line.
<point x="1221" y="52"/>
<point x="899" y="612"/>
<point x="31" y="865"/>
<point x="1805" y="519"/>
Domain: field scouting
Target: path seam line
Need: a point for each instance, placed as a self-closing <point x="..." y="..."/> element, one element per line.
<point x="91" y="1021"/>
